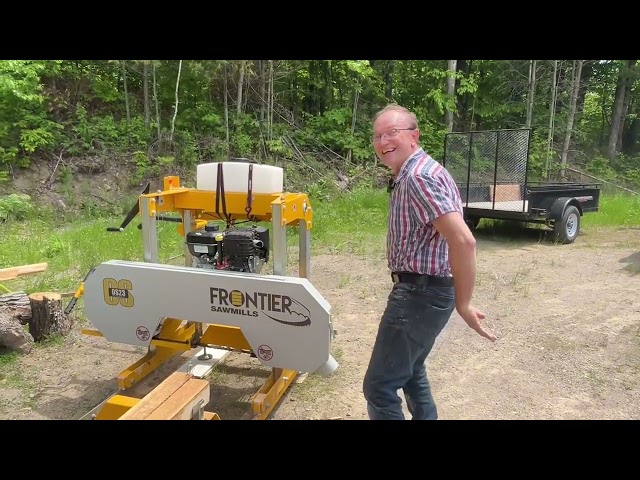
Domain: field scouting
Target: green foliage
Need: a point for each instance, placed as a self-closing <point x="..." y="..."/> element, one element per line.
<point x="23" y="123"/>
<point x="17" y="206"/>
<point x="76" y="108"/>
<point x="333" y="130"/>
<point x="105" y="133"/>
<point x="537" y="157"/>
<point x="599" y="166"/>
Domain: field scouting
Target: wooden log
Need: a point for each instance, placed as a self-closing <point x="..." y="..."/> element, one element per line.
<point x="15" y="272"/>
<point x="16" y="305"/>
<point x="47" y="316"/>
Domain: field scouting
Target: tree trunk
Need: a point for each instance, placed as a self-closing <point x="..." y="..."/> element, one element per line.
<point x="451" y="93"/>
<point x="572" y="112"/>
<point x="617" y="113"/>
<point x="271" y="98"/>
<point x="531" y="93"/>
<point x="126" y="91"/>
<point x="240" y="87"/>
<point x="629" y="79"/>
<point x="263" y="90"/>
<point x="552" y="115"/>
<point x="226" y="106"/>
<point x="155" y="98"/>
<point x="587" y="74"/>
<point x="175" y="108"/>
<point x="47" y="316"/>
<point x="387" y="77"/>
<point x="145" y="90"/>
<point x="16" y="305"/>
<point x="354" y="116"/>
<point x="464" y="101"/>
<point x="630" y="139"/>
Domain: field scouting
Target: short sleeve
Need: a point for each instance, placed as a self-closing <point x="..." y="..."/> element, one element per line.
<point x="432" y="197"/>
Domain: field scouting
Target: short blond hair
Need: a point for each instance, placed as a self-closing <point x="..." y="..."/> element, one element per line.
<point x="394" y="107"/>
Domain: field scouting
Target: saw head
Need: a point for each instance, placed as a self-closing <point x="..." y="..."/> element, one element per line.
<point x="285" y="320"/>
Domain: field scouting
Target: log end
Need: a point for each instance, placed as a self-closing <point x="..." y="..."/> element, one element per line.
<point x="40" y="296"/>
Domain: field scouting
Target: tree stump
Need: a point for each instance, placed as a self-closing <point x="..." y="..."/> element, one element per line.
<point x="47" y="316"/>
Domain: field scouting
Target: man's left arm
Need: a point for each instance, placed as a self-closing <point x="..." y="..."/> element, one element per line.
<point x="440" y="206"/>
<point x="462" y="257"/>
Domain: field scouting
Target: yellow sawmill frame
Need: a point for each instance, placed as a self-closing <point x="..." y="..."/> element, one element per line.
<point x="196" y="208"/>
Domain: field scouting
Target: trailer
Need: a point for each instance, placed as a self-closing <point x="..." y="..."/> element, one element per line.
<point x="491" y="169"/>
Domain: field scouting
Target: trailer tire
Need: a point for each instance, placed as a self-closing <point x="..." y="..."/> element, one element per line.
<point x="568" y="227"/>
<point x="472" y="222"/>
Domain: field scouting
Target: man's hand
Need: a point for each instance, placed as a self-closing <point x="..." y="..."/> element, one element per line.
<point x="472" y="316"/>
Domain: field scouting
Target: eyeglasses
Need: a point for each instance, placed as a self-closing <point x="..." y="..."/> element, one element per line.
<point x="394" y="132"/>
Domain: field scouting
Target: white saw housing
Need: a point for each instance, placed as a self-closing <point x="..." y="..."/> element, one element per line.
<point x="284" y="319"/>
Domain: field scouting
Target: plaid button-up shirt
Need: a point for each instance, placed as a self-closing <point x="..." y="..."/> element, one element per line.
<point x="422" y="192"/>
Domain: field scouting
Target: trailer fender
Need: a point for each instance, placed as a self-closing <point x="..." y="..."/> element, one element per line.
<point x="556" y="212"/>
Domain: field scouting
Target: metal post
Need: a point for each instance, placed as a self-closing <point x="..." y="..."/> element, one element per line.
<point x="304" y="253"/>
<point x="525" y="189"/>
<point x="469" y="167"/>
<point x="186" y="224"/>
<point x="495" y="171"/>
<point x="149" y="229"/>
<point x="279" y="241"/>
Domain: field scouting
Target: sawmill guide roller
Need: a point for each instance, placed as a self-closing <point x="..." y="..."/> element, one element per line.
<point x="221" y="299"/>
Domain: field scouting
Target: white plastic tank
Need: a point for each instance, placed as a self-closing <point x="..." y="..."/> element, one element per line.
<point x="265" y="178"/>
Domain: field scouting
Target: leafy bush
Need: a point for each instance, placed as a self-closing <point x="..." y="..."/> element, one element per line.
<point x="17" y="206"/>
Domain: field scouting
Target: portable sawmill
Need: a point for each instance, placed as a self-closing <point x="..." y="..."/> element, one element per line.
<point x="220" y="298"/>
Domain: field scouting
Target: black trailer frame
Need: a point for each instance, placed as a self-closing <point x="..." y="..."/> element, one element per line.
<point x="491" y="169"/>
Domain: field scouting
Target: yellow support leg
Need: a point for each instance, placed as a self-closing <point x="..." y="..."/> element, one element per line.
<point x="265" y="400"/>
<point x="115" y="407"/>
<point x="155" y="357"/>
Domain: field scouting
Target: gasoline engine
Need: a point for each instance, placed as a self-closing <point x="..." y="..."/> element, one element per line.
<point x="236" y="249"/>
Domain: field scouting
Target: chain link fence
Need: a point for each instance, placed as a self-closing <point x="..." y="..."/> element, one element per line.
<point x="490" y="167"/>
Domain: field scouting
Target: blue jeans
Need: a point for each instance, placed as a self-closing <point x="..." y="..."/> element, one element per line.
<point x="413" y="318"/>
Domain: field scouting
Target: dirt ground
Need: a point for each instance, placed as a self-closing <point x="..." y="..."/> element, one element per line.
<point x="567" y="319"/>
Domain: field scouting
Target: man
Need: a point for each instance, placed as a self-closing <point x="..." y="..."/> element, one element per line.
<point x="428" y="246"/>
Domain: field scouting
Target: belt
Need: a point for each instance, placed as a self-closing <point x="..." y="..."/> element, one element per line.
<point x="421" y="279"/>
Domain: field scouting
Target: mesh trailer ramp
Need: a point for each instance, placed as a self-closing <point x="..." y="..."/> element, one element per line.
<point x="491" y="169"/>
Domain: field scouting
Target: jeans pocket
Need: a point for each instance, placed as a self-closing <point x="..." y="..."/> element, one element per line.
<point x="436" y="298"/>
<point x="401" y="292"/>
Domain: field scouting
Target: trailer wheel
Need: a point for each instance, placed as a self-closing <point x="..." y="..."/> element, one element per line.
<point x="472" y="222"/>
<point x="567" y="228"/>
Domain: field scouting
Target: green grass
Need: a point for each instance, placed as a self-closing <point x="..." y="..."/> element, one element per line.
<point x="11" y="378"/>
<point x="615" y="211"/>
<point x="351" y="223"/>
<point x="72" y="250"/>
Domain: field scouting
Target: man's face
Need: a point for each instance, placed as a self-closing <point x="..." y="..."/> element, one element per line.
<point x="392" y="141"/>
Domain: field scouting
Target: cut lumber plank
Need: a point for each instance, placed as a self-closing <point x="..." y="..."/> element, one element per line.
<point x="174" y="399"/>
<point x="15" y="272"/>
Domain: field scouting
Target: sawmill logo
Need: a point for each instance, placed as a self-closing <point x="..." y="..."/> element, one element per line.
<point x="279" y="308"/>
<point x="117" y="292"/>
